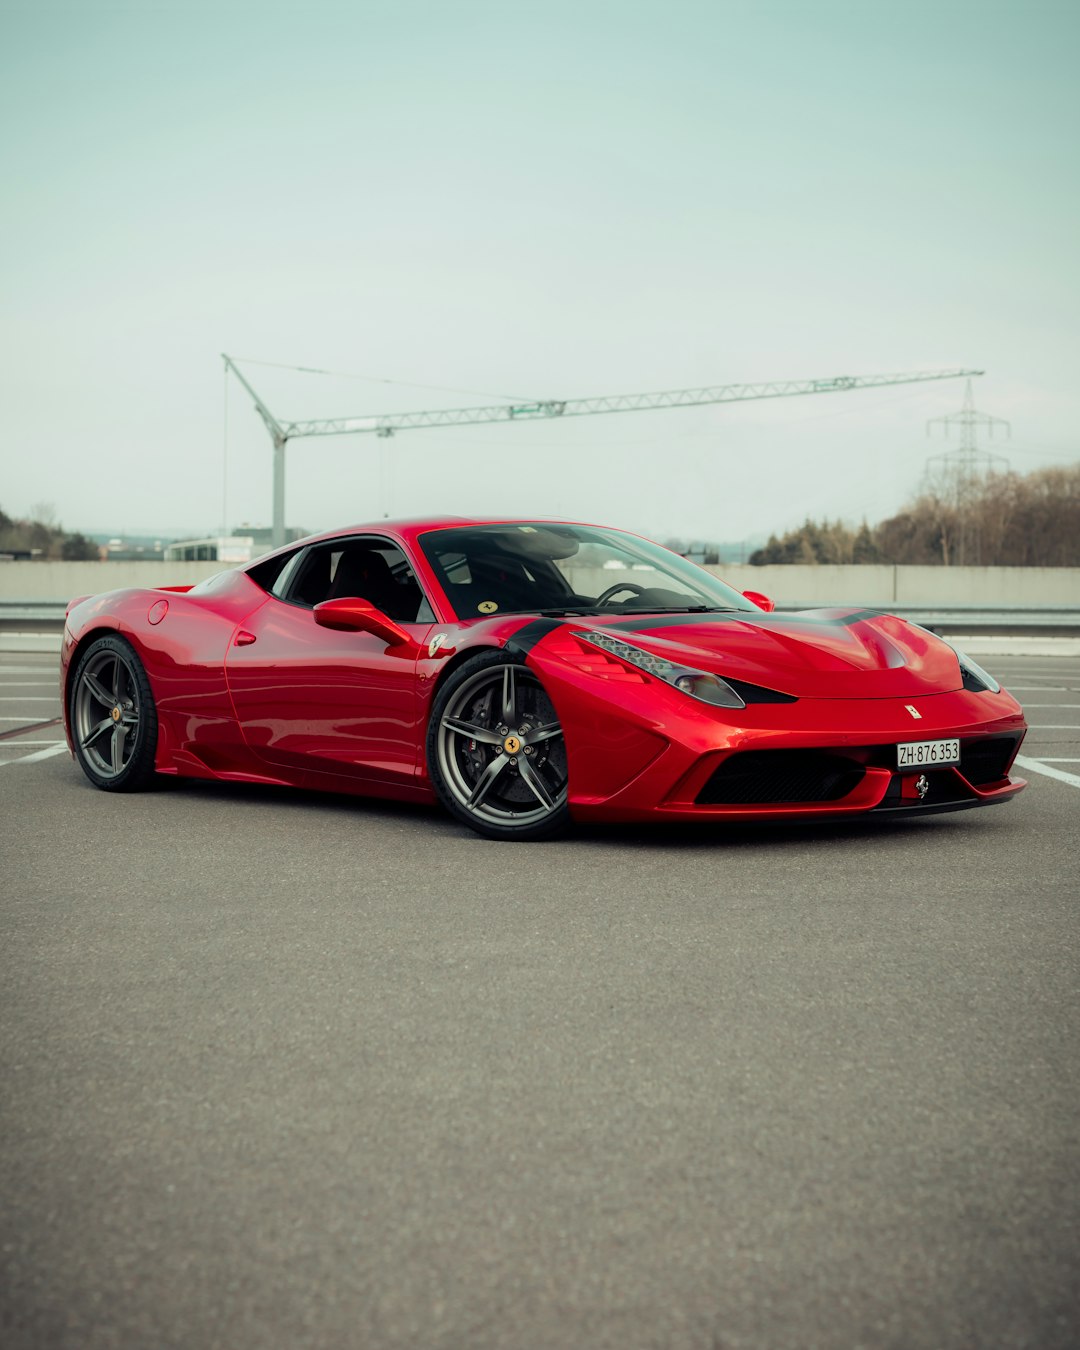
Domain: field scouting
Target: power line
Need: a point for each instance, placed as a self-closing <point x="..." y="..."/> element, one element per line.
<point x="377" y="379"/>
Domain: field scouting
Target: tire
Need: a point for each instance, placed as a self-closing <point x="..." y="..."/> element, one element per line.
<point x="496" y="752"/>
<point x="114" y="724"/>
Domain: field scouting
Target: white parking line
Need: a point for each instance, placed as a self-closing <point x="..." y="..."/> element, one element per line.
<point x="1026" y="705"/>
<point x="30" y="670"/>
<point x="1057" y="759"/>
<point x="1039" y="689"/>
<point x="1037" y="766"/>
<point x="54" y="749"/>
<point x="55" y="698"/>
<point x="1032" y="726"/>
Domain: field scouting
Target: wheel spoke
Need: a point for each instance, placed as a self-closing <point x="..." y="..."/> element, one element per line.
<point x="498" y="704"/>
<point x="544" y="733"/>
<point x="487" y="779"/>
<point x="535" y="783"/>
<point x="474" y="732"/>
<point x="119" y="737"/>
<point x="98" y="690"/>
<point x="509" y="694"/>
<point x="102" y="726"/>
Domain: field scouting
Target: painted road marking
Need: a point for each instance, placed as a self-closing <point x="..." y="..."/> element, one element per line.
<point x="29" y="670"/>
<point x="27" y="729"/>
<point x="57" y="747"/>
<point x="1037" y="766"/>
<point x="55" y="698"/>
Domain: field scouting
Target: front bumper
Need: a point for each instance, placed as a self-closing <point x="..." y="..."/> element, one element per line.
<point x="656" y="754"/>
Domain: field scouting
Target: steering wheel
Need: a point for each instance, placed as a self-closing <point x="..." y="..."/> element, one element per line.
<point x="619" y="586"/>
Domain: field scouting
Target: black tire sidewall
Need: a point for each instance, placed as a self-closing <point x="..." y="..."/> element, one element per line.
<point x="554" y="824"/>
<point x="138" y="773"/>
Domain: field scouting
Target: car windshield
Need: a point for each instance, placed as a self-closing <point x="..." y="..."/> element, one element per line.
<point x="539" y="567"/>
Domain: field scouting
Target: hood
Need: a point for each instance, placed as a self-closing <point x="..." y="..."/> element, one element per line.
<point x="823" y="653"/>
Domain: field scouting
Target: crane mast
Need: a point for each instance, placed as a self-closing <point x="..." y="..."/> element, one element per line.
<point x="387" y="424"/>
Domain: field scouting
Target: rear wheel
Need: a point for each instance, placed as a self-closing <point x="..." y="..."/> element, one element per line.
<point x="113" y="718"/>
<point x="496" y="752"/>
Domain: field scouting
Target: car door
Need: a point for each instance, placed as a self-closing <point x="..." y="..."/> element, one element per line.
<point x="316" y="701"/>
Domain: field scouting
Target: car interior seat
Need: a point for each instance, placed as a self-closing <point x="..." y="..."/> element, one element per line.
<point x="366" y="573"/>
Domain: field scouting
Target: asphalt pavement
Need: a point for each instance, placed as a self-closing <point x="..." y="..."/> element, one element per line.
<point x="299" y="1071"/>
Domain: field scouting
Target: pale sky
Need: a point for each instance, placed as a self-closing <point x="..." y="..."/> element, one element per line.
<point x="534" y="201"/>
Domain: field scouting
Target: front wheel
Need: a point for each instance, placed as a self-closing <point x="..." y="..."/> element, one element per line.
<point x="496" y="752"/>
<point x="113" y="718"/>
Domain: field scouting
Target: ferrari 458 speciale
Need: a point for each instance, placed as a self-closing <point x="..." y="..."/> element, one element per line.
<point x="526" y="674"/>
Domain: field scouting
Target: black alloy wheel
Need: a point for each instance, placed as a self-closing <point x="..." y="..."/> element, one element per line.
<point x="496" y="752"/>
<point x="113" y="718"/>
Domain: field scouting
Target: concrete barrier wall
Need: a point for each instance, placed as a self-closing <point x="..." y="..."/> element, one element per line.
<point x="882" y="587"/>
<point x="876" y="587"/>
<point x="879" y="587"/>
<point x="51" y="581"/>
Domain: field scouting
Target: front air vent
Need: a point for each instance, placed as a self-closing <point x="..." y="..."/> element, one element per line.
<point x="756" y="693"/>
<point x="987" y="761"/>
<point x="760" y="777"/>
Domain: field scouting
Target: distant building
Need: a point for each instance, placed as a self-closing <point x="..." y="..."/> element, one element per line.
<point x="124" y="550"/>
<point x="231" y="548"/>
<point x="226" y="548"/>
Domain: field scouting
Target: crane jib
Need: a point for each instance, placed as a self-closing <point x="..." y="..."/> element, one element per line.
<point x="386" y="424"/>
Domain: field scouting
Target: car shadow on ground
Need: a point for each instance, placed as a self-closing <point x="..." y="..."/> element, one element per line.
<point x="623" y="837"/>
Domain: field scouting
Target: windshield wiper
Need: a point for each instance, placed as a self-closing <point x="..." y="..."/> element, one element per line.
<point x="563" y="610"/>
<point x="681" y="609"/>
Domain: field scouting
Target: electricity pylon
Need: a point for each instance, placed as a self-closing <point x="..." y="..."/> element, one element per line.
<point x="952" y="478"/>
<point x="387" y="424"/>
<point x="968" y="456"/>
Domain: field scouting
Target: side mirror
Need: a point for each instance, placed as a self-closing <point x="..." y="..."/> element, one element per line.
<point x="762" y="601"/>
<point x="351" y="614"/>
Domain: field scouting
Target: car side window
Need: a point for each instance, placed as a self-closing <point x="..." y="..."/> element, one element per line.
<point x="272" y="573"/>
<point x="372" y="569"/>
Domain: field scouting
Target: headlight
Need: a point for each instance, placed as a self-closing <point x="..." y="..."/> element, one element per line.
<point x="697" y="683"/>
<point x="976" y="679"/>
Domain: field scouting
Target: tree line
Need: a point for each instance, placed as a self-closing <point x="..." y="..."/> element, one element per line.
<point x="44" y="538"/>
<point x="1000" y="520"/>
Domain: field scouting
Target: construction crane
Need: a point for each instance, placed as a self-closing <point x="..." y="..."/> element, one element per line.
<point x="388" y="424"/>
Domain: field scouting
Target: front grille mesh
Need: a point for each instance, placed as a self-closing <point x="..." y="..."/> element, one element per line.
<point x="987" y="761"/>
<point x="756" y="777"/>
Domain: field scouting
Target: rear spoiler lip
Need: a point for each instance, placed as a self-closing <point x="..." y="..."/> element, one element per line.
<point x="81" y="599"/>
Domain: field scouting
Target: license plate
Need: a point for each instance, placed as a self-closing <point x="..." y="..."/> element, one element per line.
<point x="918" y="754"/>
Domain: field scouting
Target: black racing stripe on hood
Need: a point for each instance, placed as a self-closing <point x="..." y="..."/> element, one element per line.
<point x="525" y="639"/>
<point x="644" y="621"/>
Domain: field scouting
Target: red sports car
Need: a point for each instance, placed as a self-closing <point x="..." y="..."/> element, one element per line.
<point x="525" y="674"/>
